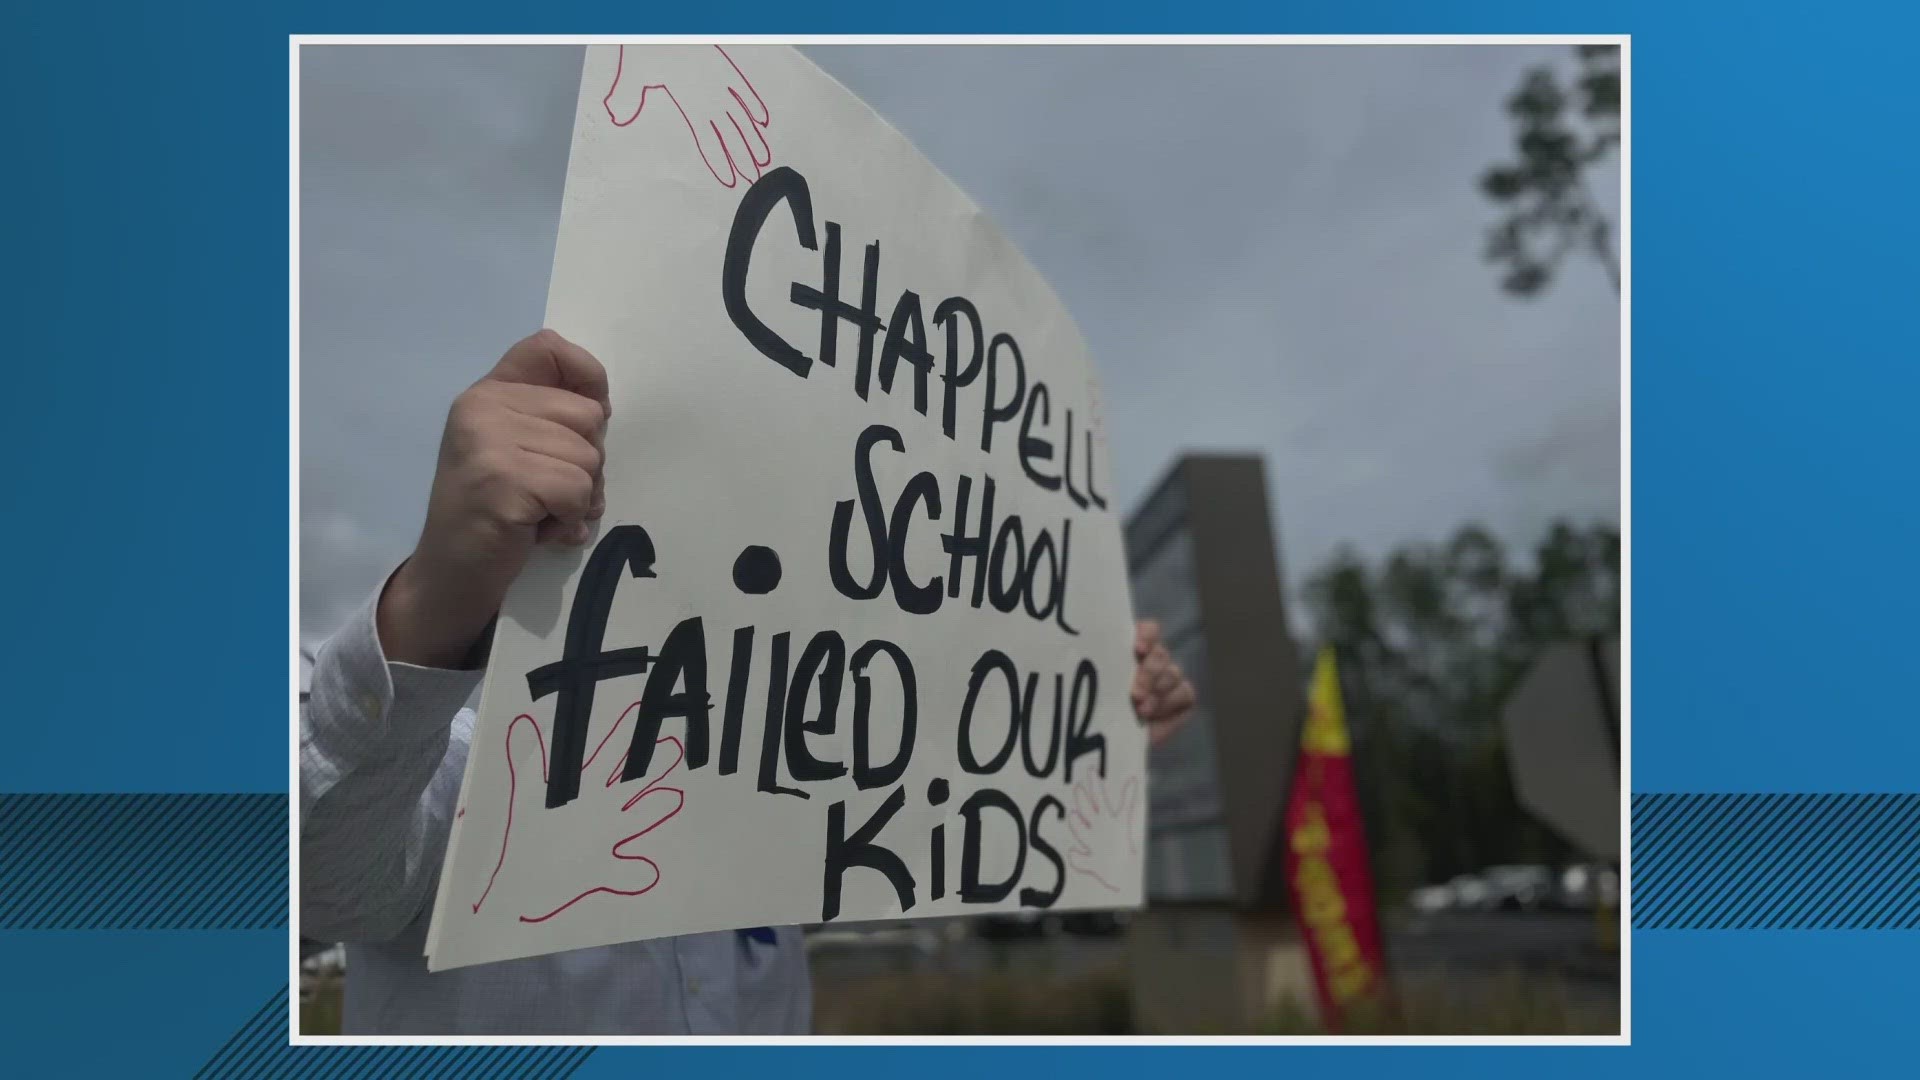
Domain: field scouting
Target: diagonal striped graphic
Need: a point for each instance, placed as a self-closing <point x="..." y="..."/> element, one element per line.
<point x="260" y="1048"/>
<point x="201" y="862"/>
<point x="143" y="862"/>
<point x="1776" y="862"/>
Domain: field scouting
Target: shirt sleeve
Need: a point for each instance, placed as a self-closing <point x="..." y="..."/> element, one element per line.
<point x="383" y="746"/>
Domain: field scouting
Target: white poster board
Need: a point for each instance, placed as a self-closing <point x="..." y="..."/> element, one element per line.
<point x="853" y="641"/>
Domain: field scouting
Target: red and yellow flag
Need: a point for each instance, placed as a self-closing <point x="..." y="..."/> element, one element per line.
<point x="1327" y="867"/>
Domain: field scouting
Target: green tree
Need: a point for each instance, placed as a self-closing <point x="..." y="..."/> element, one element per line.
<point x="1561" y="133"/>
<point x="1432" y="640"/>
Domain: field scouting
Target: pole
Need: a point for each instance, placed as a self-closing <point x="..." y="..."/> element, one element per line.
<point x="1606" y="915"/>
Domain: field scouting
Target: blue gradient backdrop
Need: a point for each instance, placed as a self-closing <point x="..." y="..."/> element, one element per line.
<point x="143" y="415"/>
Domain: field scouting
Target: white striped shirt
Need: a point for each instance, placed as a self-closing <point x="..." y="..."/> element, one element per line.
<point x="383" y="747"/>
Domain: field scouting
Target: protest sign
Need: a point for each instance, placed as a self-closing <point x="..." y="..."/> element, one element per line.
<point x="853" y="640"/>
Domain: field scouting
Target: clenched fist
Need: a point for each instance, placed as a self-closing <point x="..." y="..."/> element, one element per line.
<point x="520" y="463"/>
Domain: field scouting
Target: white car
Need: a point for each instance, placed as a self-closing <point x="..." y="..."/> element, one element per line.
<point x="1519" y="888"/>
<point x="1587" y="885"/>
<point x="1471" y="893"/>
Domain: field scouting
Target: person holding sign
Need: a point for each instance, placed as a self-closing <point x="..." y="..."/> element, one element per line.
<point x="385" y="736"/>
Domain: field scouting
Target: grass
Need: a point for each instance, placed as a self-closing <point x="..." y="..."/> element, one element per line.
<point x="1101" y="1004"/>
<point x="997" y="1003"/>
<point x="1505" y="1005"/>
<point x="320" y="1008"/>
<point x="1003" y="1003"/>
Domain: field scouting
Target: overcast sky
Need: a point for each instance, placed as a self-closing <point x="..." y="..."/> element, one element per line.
<point x="1269" y="248"/>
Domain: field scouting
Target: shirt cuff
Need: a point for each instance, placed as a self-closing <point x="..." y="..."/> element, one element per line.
<point x="371" y="700"/>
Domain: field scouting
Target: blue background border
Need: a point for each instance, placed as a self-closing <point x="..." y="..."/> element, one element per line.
<point x="143" y="419"/>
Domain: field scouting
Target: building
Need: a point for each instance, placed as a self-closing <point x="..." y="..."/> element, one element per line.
<point x="1216" y="949"/>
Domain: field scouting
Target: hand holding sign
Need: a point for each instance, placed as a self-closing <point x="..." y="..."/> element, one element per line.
<point x="718" y="104"/>
<point x="520" y="462"/>
<point x="626" y="812"/>
<point x="1162" y="696"/>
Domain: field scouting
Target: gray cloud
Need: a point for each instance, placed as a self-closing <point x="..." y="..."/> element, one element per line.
<point x="1268" y="248"/>
<point x="430" y="192"/>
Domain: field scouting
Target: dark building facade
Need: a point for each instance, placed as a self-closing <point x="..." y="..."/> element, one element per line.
<point x="1203" y="562"/>
<point x="1201" y="556"/>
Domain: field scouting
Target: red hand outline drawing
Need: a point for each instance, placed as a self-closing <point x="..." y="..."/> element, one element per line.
<point x="1092" y="820"/>
<point x="531" y="737"/>
<point x="717" y="100"/>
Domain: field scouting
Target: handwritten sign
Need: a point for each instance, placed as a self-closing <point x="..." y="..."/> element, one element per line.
<point x="853" y="640"/>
